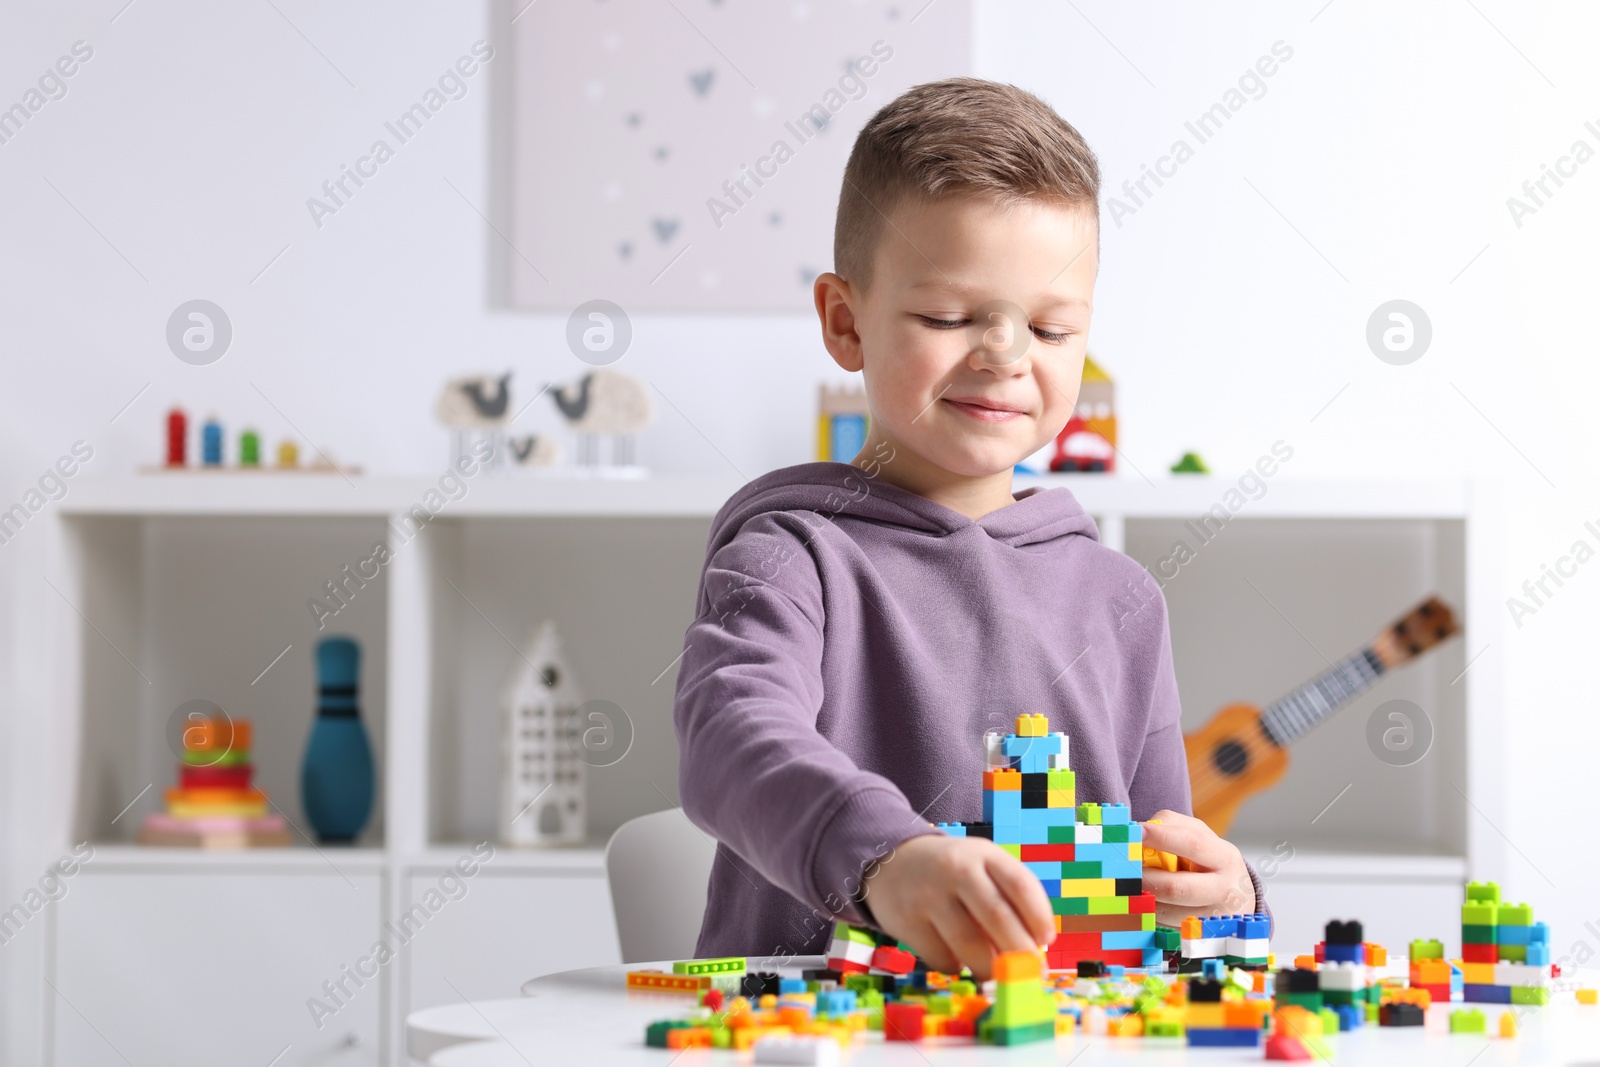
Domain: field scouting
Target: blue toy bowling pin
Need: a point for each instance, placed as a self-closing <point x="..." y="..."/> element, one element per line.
<point x="337" y="776"/>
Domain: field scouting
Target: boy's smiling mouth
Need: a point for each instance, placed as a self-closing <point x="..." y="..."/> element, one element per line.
<point x="982" y="408"/>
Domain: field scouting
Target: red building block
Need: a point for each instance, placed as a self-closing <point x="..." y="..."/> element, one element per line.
<point x="903" y="1022"/>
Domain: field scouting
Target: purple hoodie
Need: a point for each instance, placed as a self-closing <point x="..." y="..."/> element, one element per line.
<point x="853" y="642"/>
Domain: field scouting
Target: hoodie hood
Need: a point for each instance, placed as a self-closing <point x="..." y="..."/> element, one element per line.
<point x="833" y="489"/>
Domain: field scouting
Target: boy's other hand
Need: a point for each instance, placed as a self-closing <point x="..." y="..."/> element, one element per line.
<point x="958" y="901"/>
<point x="1214" y="881"/>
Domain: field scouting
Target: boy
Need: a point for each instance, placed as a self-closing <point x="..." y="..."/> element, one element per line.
<point x="860" y="626"/>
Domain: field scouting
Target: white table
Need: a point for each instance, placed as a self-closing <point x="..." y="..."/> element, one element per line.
<point x="588" y="1017"/>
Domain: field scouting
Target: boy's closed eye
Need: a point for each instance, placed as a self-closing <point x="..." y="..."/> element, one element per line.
<point x="1049" y="336"/>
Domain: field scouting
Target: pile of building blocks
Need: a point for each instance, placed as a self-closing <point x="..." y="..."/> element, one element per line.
<point x="1089" y="857"/>
<point x="1108" y="970"/>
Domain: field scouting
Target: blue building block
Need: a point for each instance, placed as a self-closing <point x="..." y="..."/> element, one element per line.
<point x="1011" y="835"/>
<point x="1043" y="869"/>
<point x="836" y="1002"/>
<point x="1113" y="815"/>
<point x="1538" y="954"/>
<point x="1472" y="993"/>
<point x="1350" y="1016"/>
<point x="791" y="985"/>
<point x="1052" y="886"/>
<point x="1255" y="926"/>
<point x="1013" y="745"/>
<point x="1002" y="807"/>
<point x="1127" y="939"/>
<point x="1221" y="926"/>
<point x="954" y="829"/>
<point x="1344" y="953"/>
<point x="1512" y="935"/>
<point x="1219" y="1038"/>
<point x="1539" y="934"/>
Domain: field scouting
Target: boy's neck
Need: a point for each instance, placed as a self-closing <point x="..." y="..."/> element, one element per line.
<point x="972" y="496"/>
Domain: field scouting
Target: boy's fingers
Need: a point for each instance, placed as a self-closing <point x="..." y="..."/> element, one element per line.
<point x="1027" y="898"/>
<point x="1187" y="837"/>
<point x="933" y="951"/>
<point x="1184" y="888"/>
<point x="966" y="939"/>
<point x="995" y="915"/>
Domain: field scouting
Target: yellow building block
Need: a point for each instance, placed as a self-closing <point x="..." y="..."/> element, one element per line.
<point x="1062" y="798"/>
<point x="1477" y="973"/>
<point x="1094" y="887"/>
<point x="1205" y="1016"/>
<point x="1508" y="1024"/>
<point x="1588" y="996"/>
<point x="1032" y="726"/>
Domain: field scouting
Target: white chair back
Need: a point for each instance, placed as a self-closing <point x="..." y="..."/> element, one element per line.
<point x="658" y="866"/>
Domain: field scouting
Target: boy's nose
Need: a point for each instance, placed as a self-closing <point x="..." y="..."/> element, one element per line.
<point x="999" y="333"/>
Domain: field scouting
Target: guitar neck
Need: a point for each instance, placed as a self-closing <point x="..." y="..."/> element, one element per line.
<point x="1292" y="716"/>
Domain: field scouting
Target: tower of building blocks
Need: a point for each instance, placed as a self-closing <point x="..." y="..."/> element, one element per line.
<point x="1089" y="857"/>
<point x="1505" y="955"/>
<point x="1023" y="1010"/>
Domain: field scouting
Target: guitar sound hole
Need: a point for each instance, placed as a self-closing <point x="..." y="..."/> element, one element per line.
<point x="1230" y="757"/>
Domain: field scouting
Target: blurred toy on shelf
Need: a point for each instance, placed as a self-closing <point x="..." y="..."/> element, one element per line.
<point x="1190" y="463"/>
<point x="606" y="409"/>
<point x="542" y="774"/>
<point x="337" y="777"/>
<point x="214" y="805"/>
<point x="1088" y="442"/>
<point x="476" y="407"/>
<point x="842" y="422"/>
<point x="212" y="451"/>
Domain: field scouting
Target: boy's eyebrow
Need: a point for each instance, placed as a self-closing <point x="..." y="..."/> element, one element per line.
<point x="956" y="287"/>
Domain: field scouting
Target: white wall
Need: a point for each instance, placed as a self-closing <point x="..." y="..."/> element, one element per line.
<point x="1389" y="141"/>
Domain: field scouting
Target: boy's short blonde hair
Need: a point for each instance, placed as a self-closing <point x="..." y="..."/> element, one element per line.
<point x="960" y="136"/>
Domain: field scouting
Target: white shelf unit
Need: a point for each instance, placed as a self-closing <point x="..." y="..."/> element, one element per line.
<point x="158" y="588"/>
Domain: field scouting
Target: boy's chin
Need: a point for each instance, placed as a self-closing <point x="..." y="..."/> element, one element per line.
<point x="984" y="463"/>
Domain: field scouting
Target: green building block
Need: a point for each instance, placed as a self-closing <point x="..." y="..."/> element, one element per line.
<point x="1089" y="814"/>
<point x="1427" y="950"/>
<point x="1116" y="835"/>
<point x="1516" y="915"/>
<point x="655" y="1035"/>
<point x="1484" y="892"/>
<point x="1069" y="905"/>
<point x="1308" y="1001"/>
<point x="1514" y="953"/>
<point x="1016" y="1035"/>
<point x="1468" y="1021"/>
<point x="1330" y="1020"/>
<point x="1168" y="939"/>
<point x="1530" y="994"/>
<point x="1341" y="996"/>
<point x="1061" y="780"/>
<point x="1061" y="835"/>
<point x="1481" y="919"/>
<point x="720" y="965"/>
<point x="1108" y="905"/>
<point x="859" y="934"/>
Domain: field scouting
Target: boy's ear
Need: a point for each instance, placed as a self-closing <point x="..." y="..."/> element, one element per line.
<point x="833" y="296"/>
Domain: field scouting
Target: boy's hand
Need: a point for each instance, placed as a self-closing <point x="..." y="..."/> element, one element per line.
<point x="959" y="900"/>
<point x="1213" y="881"/>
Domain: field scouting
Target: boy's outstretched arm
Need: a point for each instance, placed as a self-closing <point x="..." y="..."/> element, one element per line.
<point x="755" y="772"/>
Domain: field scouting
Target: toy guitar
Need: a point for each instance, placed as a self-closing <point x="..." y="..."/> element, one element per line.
<point x="1244" y="750"/>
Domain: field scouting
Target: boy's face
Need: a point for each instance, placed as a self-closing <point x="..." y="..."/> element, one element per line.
<point x="972" y="336"/>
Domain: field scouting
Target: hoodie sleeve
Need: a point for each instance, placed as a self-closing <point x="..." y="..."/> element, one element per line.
<point x="1162" y="777"/>
<point x="753" y="770"/>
